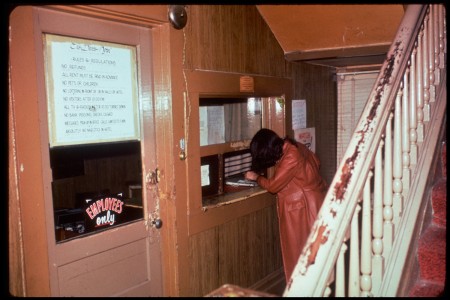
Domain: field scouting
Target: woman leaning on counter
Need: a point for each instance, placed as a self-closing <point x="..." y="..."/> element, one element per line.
<point x="297" y="183"/>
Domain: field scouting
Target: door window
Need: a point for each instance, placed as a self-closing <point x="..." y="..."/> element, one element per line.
<point x="94" y="135"/>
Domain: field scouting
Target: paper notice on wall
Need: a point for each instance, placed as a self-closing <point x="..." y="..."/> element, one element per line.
<point x="298" y="114"/>
<point x="216" y="125"/>
<point x="212" y="125"/>
<point x="92" y="91"/>
<point x="203" y="111"/>
<point x="246" y="84"/>
<point x="306" y="136"/>
<point x="205" y="175"/>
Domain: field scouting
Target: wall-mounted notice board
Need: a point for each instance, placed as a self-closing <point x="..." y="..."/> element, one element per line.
<point x="92" y="91"/>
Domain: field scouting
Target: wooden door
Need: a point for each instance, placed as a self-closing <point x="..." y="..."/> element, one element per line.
<point x="123" y="259"/>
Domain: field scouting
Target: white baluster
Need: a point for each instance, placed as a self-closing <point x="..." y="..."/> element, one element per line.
<point x="426" y="72"/>
<point x="405" y="134"/>
<point x="327" y="292"/>
<point x="388" y="226"/>
<point x="431" y="53"/>
<point x="444" y="28"/>
<point x="436" y="43"/>
<point x="413" y="108"/>
<point x="353" y="275"/>
<point x="442" y="46"/>
<point x="377" y="228"/>
<point x="419" y="74"/>
<point x="397" y="169"/>
<point x="366" y="237"/>
<point x="340" y="272"/>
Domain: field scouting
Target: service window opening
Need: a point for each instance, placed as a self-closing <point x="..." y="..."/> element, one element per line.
<point x="225" y="122"/>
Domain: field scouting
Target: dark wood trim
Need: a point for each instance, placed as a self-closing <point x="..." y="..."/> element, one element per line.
<point x="332" y="53"/>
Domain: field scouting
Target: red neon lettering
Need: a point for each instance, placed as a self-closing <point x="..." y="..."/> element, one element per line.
<point x="107" y="203"/>
<point x="119" y="208"/>
<point x="94" y="209"/>
<point x="114" y="204"/>
<point x="89" y="212"/>
<point x="100" y="205"/>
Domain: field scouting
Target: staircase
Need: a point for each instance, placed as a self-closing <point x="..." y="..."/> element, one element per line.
<point x="381" y="230"/>
<point x="431" y="253"/>
<point x="378" y="232"/>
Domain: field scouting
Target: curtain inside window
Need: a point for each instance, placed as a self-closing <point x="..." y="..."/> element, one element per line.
<point x="353" y="92"/>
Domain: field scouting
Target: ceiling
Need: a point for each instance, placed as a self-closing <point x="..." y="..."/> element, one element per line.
<point x="334" y="35"/>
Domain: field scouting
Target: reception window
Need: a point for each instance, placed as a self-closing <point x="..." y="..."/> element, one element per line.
<point x="223" y="111"/>
<point x="227" y="126"/>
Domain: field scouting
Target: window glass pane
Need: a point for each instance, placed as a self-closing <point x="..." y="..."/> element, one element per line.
<point x="95" y="187"/>
<point x="353" y="92"/>
<point x="224" y="120"/>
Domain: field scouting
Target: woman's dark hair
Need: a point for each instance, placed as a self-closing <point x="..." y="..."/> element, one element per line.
<point x="266" y="149"/>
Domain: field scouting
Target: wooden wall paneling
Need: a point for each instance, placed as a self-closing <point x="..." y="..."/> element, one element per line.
<point x="89" y="271"/>
<point x="229" y="254"/>
<point x="204" y="262"/>
<point x="316" y="85"/>
<point x="264" y="55"/>
<point x="64" y="190"/>
<point x="232" y="38"/>
<point x="270" y="240"/>
<point x="241" y="251"/>
<point x="247" y="245"/>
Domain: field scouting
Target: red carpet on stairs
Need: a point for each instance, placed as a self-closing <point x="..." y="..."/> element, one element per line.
<point x="431" y="252"/>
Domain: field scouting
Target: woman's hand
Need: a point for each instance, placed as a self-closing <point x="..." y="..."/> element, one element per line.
<point x="250" y="175"/>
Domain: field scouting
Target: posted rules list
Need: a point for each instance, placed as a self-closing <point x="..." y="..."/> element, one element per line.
<point x="94" y="92"/>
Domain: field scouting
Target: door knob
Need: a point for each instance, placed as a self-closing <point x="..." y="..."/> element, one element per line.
<point x="157" y="223"/>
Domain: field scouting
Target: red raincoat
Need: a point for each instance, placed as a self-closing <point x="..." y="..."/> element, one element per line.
<point x="300" y="191"/>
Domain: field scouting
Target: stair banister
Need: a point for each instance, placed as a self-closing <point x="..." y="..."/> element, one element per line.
<point x="408" y="223"/>
<point x="317" y="261"/>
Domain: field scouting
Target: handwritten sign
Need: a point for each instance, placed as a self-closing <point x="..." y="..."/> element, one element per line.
<point x="92" y="91"/>
<point x="205" y="175"/>
<point x="298" y="114"/>
<point x="212" y="125"/>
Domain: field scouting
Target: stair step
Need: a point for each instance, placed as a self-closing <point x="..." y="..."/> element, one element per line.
<point x="432" y="254"/>
<point x="439" y="203"/>
<point x="444" y="159"/>
<point x="432" y="244"/>
<point x="427" y="289"/>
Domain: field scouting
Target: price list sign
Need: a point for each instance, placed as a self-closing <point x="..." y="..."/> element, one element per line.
<point x="92" y="91"/>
